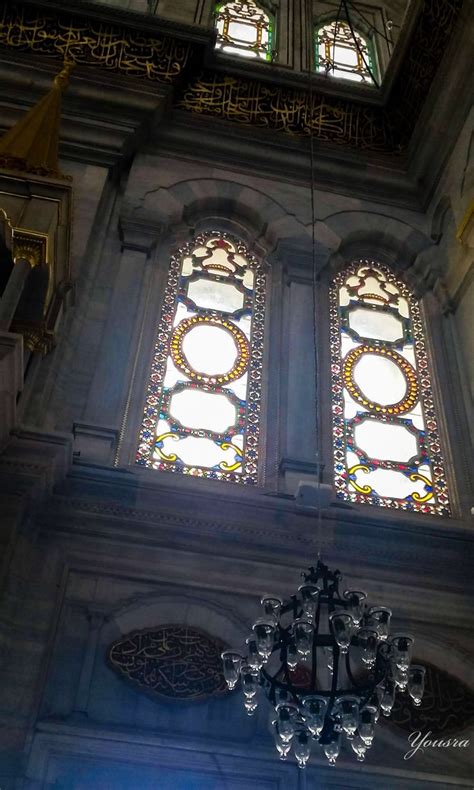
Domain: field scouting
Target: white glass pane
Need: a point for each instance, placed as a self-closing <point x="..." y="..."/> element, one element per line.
<point x="215" y="296"/>
<point x="390" y="483"/>
<point x="380" y="379"/>
<point x="403" y="307"/>
<point x="239" y="387"/>
<point x="194" y="451"/>
<point x="245" y="53"/>
<point x="345" y="56"/>
<point x="385" y="442"/>
<point x="347" y="75"/>
<point x="242" y="32"/>
<point x="376" y="325"/>
<point x="182" y="312"/>
<point x="351" y="407"/>
<point x="210" y="350"/>
<point x="249" y="278"/>
<point x="173" y="375"/>
<point x="198" y="409"/>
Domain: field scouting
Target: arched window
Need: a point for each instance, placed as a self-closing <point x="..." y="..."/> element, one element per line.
<point x="243" y="28"/>
<point x="202" y="408"/>
<point x="343" y="52"/>
<point x="386" y="442"/>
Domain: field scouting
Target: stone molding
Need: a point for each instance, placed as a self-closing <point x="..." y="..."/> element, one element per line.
<point x="266" y="528"/>
<point x="138" y="235"/>
<point x="55" y="737"/>
<point x="11" y="381"/>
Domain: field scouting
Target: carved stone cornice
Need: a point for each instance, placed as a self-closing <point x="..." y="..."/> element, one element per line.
<point x="265" y="529"/>
<point x="86" y="37"/>
<point x="174" y="57"/>
<point x="138" y="235"/>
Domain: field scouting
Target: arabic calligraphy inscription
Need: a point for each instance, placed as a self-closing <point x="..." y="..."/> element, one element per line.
<point x="447" y="706"/>
<point x="172" y="661"/>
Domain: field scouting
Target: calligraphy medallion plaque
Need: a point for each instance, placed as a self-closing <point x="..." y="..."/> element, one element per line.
<point x="171" y="661"/>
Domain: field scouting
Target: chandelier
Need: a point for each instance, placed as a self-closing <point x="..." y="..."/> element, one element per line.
<point x="328" y="666"/>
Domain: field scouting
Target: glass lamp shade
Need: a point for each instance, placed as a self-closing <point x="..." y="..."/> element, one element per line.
<point x="302" y="748"/>
<point x="303" y="633"/>
<point x="388" y="699"/>
<point x="250" y="678"/>
<point x="349" y="712"/>
<point x="416" y="683"/>
<point x="282" y="695"/>
<point x="283" y="747"/>
<point x="254" y="658"/>
<point x="231" y="661"/>
<point x="356" y="599"/>
<point x="314" y="709"/>
<point x="250" y="705"/>
<point x="375" y="701"/>
<point x="367" y="724"/>
<point x="359" y="748"/>
<point x="402" y="647"/>
<point x="309" y="598"/>
<point x="291" y="656"/>
<point x="286" y="713"/>
<point x="271" y="605"/>
<point x="367" y="638"/>
<point x="342" y="626"/>
<point x="264" y="631"/>
<point x="333" y="747"/>
<point x="380" y="620"/>
<point x="400" y="677"/>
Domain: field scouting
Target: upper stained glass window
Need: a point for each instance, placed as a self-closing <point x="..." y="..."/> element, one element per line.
<point x="244" y="29"/>
<point x="202" y="409"/>
<point x="386" y="443"/>
<point x="344" y="52"/>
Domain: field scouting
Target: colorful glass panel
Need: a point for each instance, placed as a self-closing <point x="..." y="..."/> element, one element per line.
<point x="386" y="442"/>
<point x="202" y="409"/>
<point x="243" y="28"/>
<point x="343" y="53"/>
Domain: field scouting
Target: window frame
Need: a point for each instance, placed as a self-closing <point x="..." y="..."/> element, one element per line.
<point x="371" y="49"/>
<point x="270" y="13"/>
<point x="429" y="394"/>
<point x="141" y="378"/>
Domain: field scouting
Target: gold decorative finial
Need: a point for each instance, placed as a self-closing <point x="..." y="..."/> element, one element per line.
<point x="32" y="145"/>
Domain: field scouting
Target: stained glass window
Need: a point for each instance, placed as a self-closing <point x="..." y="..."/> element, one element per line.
<point x="344" y="53"/>
<point x="202" y="408"/>
<point x="244" y="29"/>
<point x="386" y="443"/>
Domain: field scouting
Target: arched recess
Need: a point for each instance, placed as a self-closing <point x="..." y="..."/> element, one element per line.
<point x="189" y="207"/>
<point x="180" y="205"/>
<point x="412" y="257"/>
<point x="193" y="610"/>
<point x="393" y="242"/>
<point x="131" y="696"/>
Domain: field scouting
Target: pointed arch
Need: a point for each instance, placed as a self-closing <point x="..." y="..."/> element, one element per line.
<point x="387" y="448"/>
